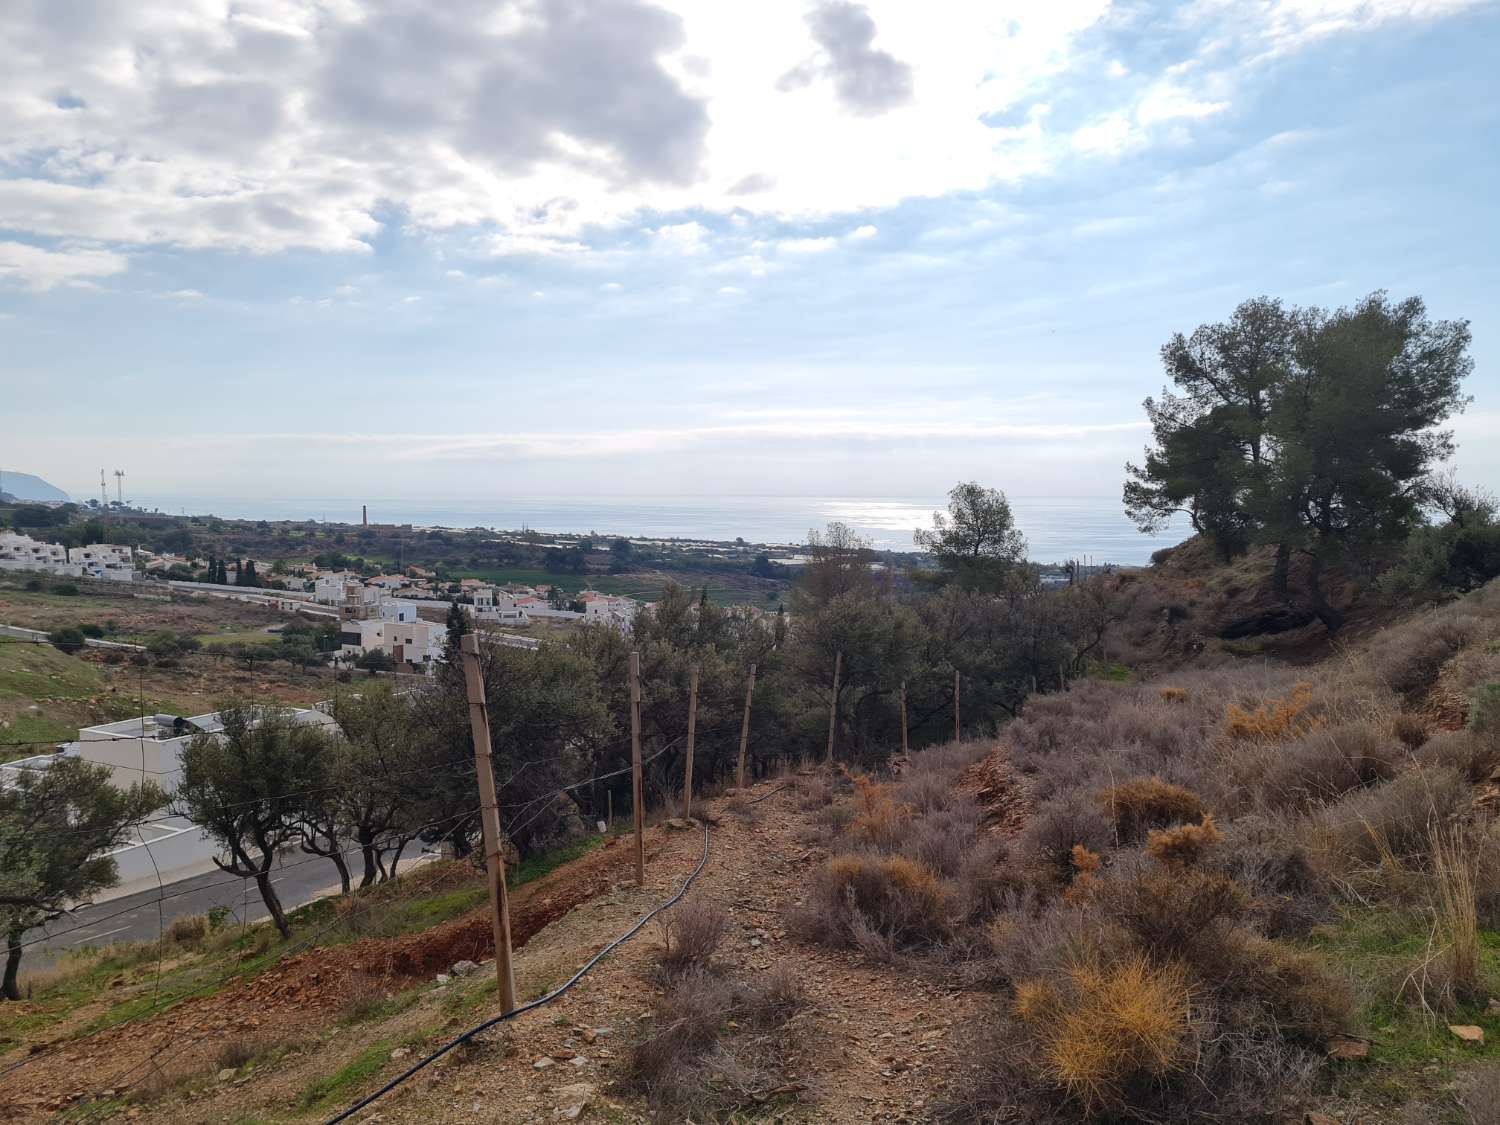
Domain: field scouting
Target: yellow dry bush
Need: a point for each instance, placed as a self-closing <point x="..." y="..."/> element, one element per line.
<point x="1275" y="720"/>
<point x="1118" y="1023"/>
<point x="1085" y="865"/>
<point x="1035" y="1000"/>
<point x="1172" y="694"/>
<point x="880" y="822"/>
<point x="1184" y="845"/>
<point x="1143" y="803"/>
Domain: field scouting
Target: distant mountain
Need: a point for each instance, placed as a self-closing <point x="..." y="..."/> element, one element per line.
<point x="24" y="486"/>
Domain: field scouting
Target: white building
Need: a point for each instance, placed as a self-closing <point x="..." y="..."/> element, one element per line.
<point x="112" y="561"/>
<point x="22" y="552"/>
<point x="332" y="589"/>
<point x="613" y="608"/>
<point x="415" y="643"/>
<point x="150" y="747"/>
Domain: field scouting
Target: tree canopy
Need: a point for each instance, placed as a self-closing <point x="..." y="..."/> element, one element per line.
<point x="1309" y="430"/>
<point x="56" y="826"/>
<point x="976" y="544"/>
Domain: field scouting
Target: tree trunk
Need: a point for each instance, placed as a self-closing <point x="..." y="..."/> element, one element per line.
<point x="367" y="850"/>
<point x="11" y="989"/>
<point x="343" y="866"/>
<point x="1332" y="619"/>
<point x="1279" y="583"/>
<point x="396" y="857"/>
<point x="273" y="903"/>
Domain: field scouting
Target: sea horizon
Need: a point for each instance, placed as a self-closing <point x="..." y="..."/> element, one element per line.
<point x="1057" y="528"/>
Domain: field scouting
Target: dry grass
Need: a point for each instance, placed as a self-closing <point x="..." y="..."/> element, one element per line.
<point x="1145" y="803"/>
<point x="1275" y="720"/>
<point x="879" y="821"/>
<point x="878" y="903"/>
<point x="1106" y="1027"/>
<point x="694" y="932"/>
<point x="1455" y="874"/>
<point x="1185" y="845"/>
<point x="714" y="1045"/>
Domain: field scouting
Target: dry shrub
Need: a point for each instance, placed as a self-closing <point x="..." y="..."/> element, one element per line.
<point x="1288" y="895"/>
<point x="1145" y="803"/>
<point x="363" y="997"/>
<point x="1055" y="828"/>
<point x="815" y="791"/>
<point x="1172" y="694"/>
<point x="878" y="903"/>
<point x="694" y="933"/>
<point x="1410" y="729"/>
<point x="1325" y="764"/>
<point x="1275" y="720"/>
<point x="714" y="1045"/>
<point x="775" y="998"/>
<point x="1103" y="1029"/>
<point x="944" y="842"/>
<point x="1388" y="824"/>
<point x="1184" y="845"/>
<point x="1411" y="656"/>
<point x="878" y="820"/>
<point x="187" y="929"/>
<point x="236" y="1051"/>
<point x="1173" y="913"/>
<point x="1467" y="751"/>
<point x="1300" y="995"/>
<point x="741" y="806"/>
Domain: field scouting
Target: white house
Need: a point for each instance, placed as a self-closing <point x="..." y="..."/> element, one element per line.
<point x="415" y="643"/>
<point x="388" y="582"/>
<point x="112" y="561"/>
<point x="332" y="589"/>
<point x="614" y="608"/>
<point x="22" y="552"/>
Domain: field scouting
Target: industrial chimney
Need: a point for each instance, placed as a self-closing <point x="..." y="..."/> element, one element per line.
<point x="364" y="514"/>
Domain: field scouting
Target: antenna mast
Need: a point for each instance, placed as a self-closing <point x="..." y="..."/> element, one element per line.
<point x="120" y="487"/>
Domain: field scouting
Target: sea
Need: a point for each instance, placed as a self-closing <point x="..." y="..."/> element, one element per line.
<point x="1057" y="528"/>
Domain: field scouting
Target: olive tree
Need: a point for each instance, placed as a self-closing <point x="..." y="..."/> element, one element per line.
<point x="56" y="826"/>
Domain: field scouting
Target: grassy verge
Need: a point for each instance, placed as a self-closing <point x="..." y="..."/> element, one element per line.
<point x="1413" y="1056"/>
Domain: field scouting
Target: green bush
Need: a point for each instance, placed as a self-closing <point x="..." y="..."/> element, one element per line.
<point x="67" y="639"/>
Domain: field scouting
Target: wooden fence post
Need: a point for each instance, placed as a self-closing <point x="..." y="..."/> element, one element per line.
<point x="635" y="768"/>
<point x="905" y="745"/>
<point x="957" y="727"/>
<point x="833" y="707"/>
<point x="687" y="773"/>
<point x="745" y="727"/>
<point x="494" y="858"/>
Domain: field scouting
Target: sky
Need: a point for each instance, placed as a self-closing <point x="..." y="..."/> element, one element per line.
<point x="350" y="248"/>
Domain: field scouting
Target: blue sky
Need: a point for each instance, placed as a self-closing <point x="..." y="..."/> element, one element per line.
<point x="602" y="247"/>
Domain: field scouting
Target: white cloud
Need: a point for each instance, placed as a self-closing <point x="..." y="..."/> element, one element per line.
<point x="793" y="426"/>
<point x="806" y="245"/>
<point x="269" y="125"/>
<point x="681" y="238"/>
<point x="864" y="232"/>
<point x="41" y="269"/>
<point x="186" y="294"/>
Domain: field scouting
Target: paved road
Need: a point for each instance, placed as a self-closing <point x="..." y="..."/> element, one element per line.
<point x="135" y="918"/>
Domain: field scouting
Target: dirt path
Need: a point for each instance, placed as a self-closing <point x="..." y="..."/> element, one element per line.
<point x="872" y="1044"/>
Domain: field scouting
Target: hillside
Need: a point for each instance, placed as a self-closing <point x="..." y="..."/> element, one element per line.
<point x="24" y="486"/>
<point x="1235" y="889"/>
